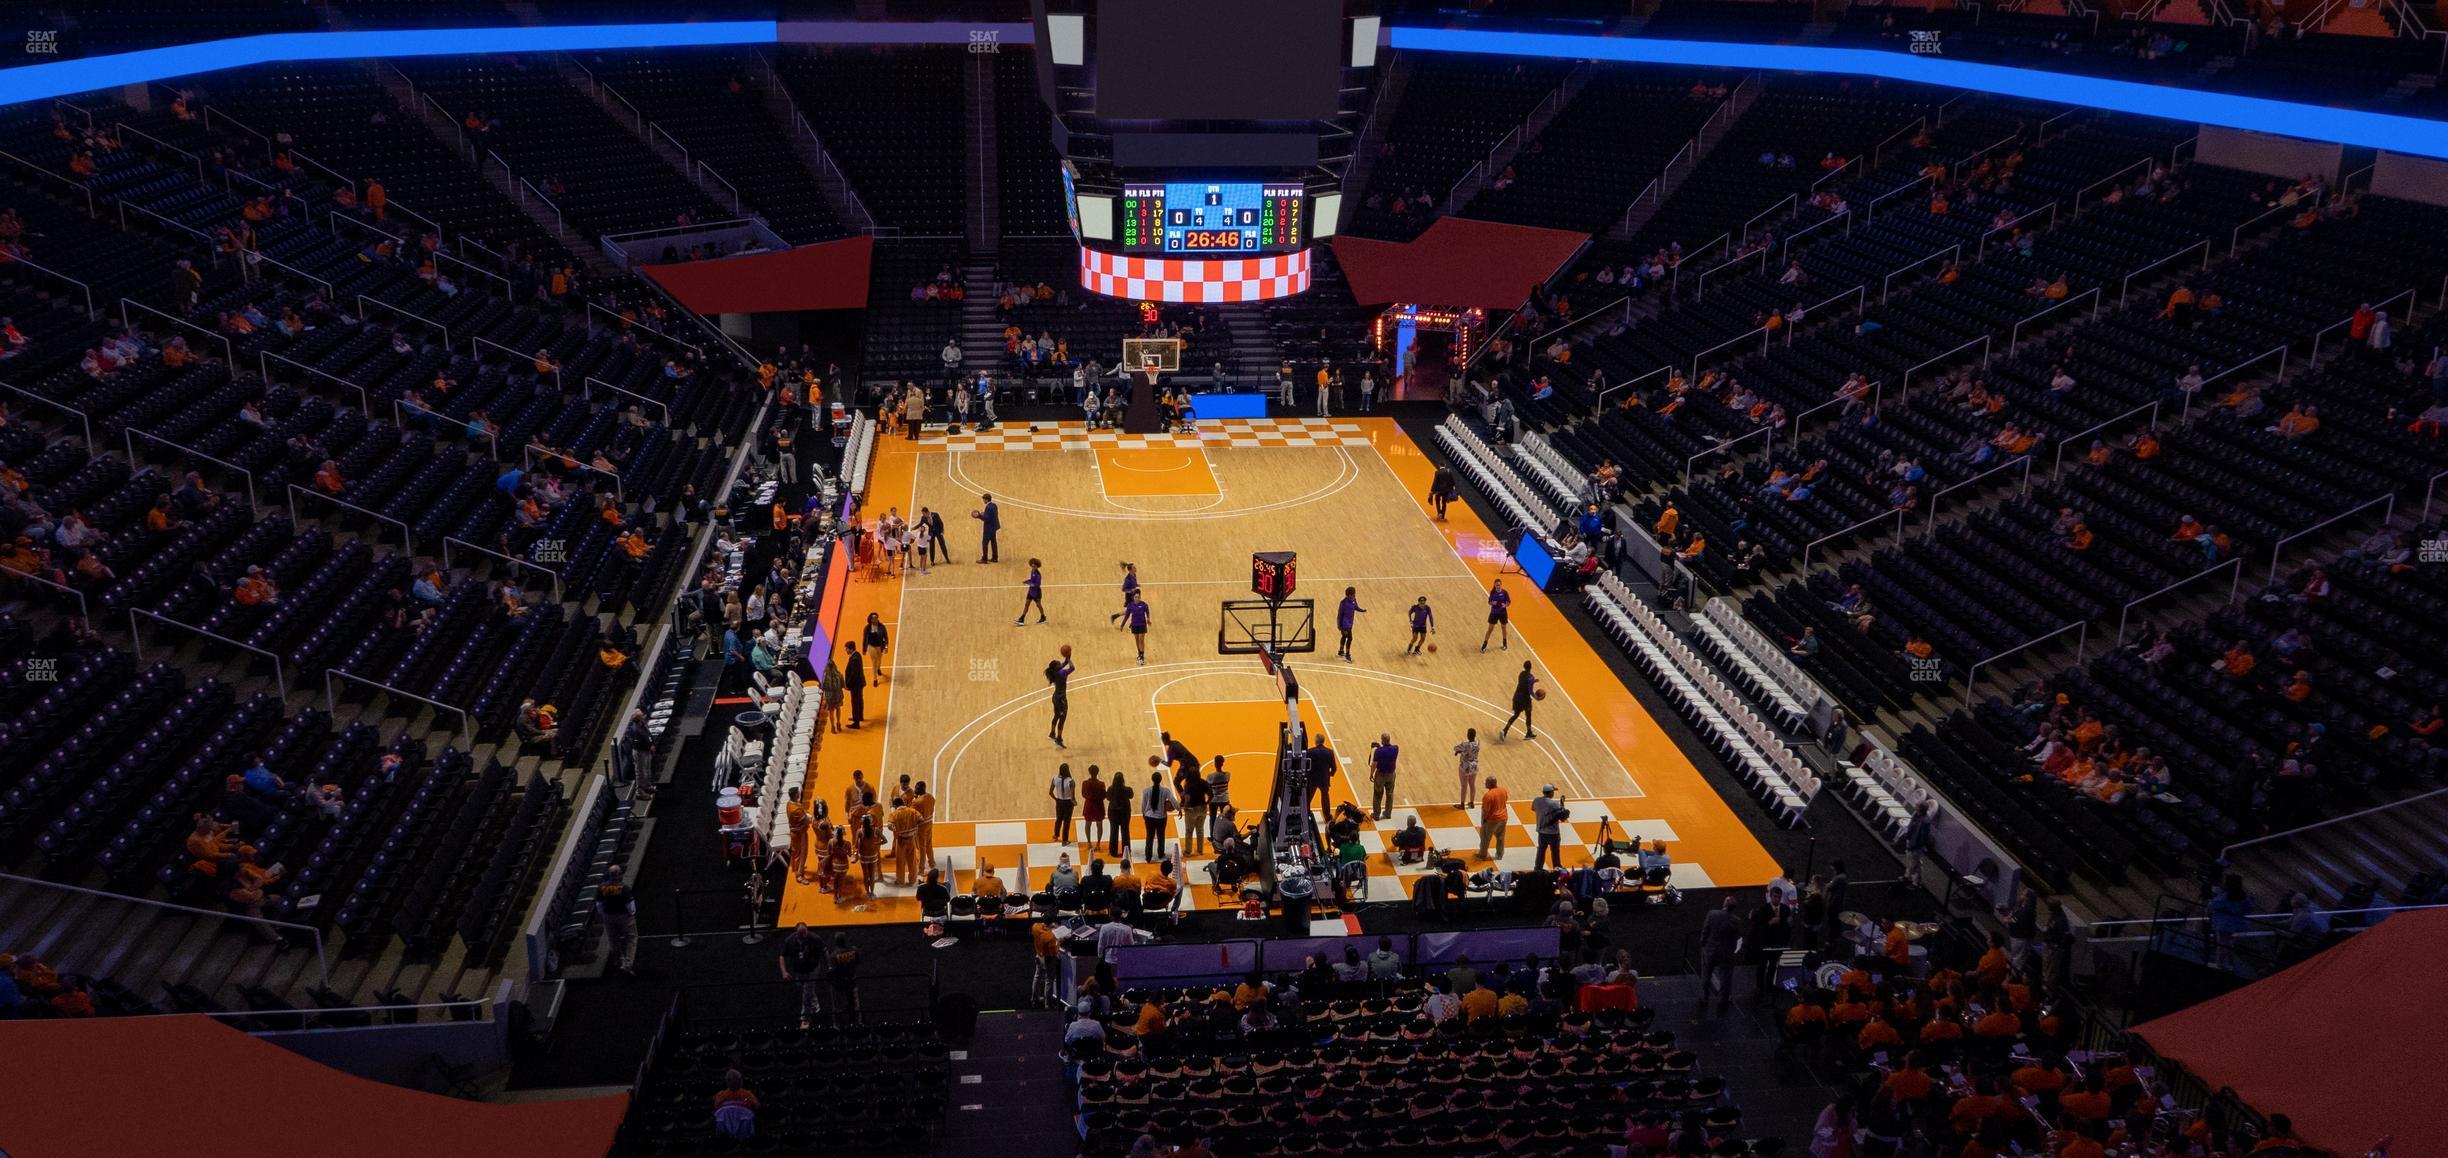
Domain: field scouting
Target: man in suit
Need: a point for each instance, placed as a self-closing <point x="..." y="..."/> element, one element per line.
<point x="990" y="520"/>
<point x="937" y="549"/>
<point x="854" y="681"/>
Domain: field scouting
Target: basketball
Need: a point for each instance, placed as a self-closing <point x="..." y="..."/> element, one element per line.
<point x="1066" y="651"/>
<point x="1538" y="694"/>
<point x="1432" y="649"/>
<point x="1155" y="761"/>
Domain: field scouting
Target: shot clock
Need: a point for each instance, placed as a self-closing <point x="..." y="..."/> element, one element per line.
<point x="1273" y="574"/>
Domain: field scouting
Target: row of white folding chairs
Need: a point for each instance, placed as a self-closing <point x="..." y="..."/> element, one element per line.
<point x="1755" y="683"/>
<point x="1765" y="655"/>
<point x="1887" y="786"/>
<point x="857" y="452"/>
<point x="786" y="767"/>
<point x="1732" y="705"/>
<point x="1656" y="654"/>
<point x="1550" y="478"/>
<point x="1494" y="478"/>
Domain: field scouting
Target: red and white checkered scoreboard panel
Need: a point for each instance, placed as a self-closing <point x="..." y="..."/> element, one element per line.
<point x="1164" y="279"/>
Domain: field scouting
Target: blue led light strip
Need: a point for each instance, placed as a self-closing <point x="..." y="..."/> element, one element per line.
<point x="65" y="77"/>
<point x="2396" y="134"/>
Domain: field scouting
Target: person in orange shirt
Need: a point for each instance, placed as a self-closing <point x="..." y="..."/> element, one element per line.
<point x="1878" y="1035"/>
<point x="1806" y="1017"/>
<point x="2081" y="539"/>
<point x="1479" y="1004"/>
<point x="327" y="478"/>
<point x="1977" y="1107"/>
<point x="2100" y="454"/>
<point x="254" y="589"/>
<point x="2039" y="1078"/>
<point x="2078" y="1143"/>
<point x="1993" y="965"/>
<point x="2239" y="660"/>
<point x="1997" y="1024"/>
<point x="1909" y="1083"/>
<point x="81" y="165"/>
<point x="2300" y="420"/>
<point x="1899" y="946"/>
<point x="2298" y="687"/>
<point x="2090" y="1103"/>
<point x="2146" y="446"/>
<point x="1940" y="1030"/>
<point x="1849" y="1015"/>
<point x="1918" y="648"/>
<point x="1152" y="1020"/>
<point x="1667" y="521"/>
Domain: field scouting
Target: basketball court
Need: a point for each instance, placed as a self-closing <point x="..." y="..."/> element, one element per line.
<point x="965" y="707"/>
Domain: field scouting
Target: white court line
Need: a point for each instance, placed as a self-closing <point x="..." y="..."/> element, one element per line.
<point x="1241" y="581"/>
<point x="1346" y="474"/>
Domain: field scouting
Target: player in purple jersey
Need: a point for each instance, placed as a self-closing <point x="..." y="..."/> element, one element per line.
<point x="1136" y="618"/>
<point x="1347" y="613"/>
<point x="1423" y="621"/>
<point x="1500" y="616"/>
<point x="1036" y="594"/>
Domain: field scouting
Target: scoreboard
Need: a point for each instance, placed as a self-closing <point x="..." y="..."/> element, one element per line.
<point x="1212" y="217"/>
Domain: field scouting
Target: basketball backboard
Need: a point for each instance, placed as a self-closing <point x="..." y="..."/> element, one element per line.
<point x="1161" y="354"/>
<point x="1255" y="626"/>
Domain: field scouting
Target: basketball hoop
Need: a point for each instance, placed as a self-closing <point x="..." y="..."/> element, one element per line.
<point x="1152" y="366"/>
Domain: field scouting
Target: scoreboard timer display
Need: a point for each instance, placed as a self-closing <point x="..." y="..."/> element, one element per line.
<point x="1274" y="574"/>
<point x="1201" y="217"/>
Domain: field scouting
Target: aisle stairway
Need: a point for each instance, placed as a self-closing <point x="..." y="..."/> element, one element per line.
<point x="1009" y="1095"/>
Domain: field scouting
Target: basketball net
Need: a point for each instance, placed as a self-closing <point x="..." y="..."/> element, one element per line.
<point x="1151" y="365"/>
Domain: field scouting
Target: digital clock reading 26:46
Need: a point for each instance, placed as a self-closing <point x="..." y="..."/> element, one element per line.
<point x="1211" y="239"/>
<point x="1273" y="574"/>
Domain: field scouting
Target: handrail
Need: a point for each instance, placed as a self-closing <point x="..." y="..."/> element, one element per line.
<point x="2125" y="290"/>
<point x="1904" y="387"/>
<point x="322" y="963"/>
<point x="229" y="352"/>
<point x="1870" y="210"/>
<point x="1878" y="152"/>
<point x="2430" y="489"/>
<point x="454" y="122"/>
<point x="1785" y="247"/>
<point x="2278" y="548"/>
<point x="1861" y="301"/>
<point x="331" y="698"/>
<point x="62" y="103"/>
<point x="126" y="204"/>
<point x="2235" y="240"/>
<point x="509" y="291"/>
<point x="1882" y="516"/>
<point x="528" y="462"/>
<point x="476" y="350"/>
<point x="280" y="671"/>
<point x="1972" y="674"/>
<point x="666" y="335"/>
<point x="2015" y="338"/>
<point x="84" y="610"/>
<point x="1878" y="391"/>
<point x="1834" y="173"/>
<point x="2224" y="853"/>
<point x="2077" y="436"/>
<point x="210" y="112"/>
<point x="1700" y="284"/>
<point x="361" y="223"/>
<point x="1599" y="407"/>
<point x="686" y="161"/>
<point x="253" y="255"/>
<point x="449" y="540"/>
<point x="2255" y="360"/>
<point x="2022" y="460"/>
<point x="20" y="260"/>
<point x="79" y="186"/>
<point x="363" y="300"/>
<point x="1887" y="283"/>
<point x="1727" y="445"/>
<point x="83" y="419"/>
<point x="349" y="182"/>
<point x="1765" y="335"/>
<point x="2144" y="164"/>
<point x="124" y="127"/>
<point x="130" y="437"/>
<point x="2126" y="612"/>
<point x="1785" y="202"/>
<point x="2346" y="183"/>
<point x="1982" y="249"/>
<point x="2412" y="303"/>
<point x="708" y="172"/>
<point x="407" y="537"/>
<point x="2040" y="134"/>
<point x="265" y="358"/>
<point x="1983" y="152"/>
<point x="590" y="382"/>
<point x="548" y="202"/>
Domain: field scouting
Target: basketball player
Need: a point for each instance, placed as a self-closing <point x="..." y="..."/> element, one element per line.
<point x="1347" y="613"/>
<point x="1130" y="590"/>
<point x="1500" y="616"/>
<point x="1036" y="595"/>
<point x="1466" y="766"/>
<point x="1135" y="617"/>
<point x="1525" y="691"/>
<point x="1058" y="673"/>
<point x="1423" y="623"/>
